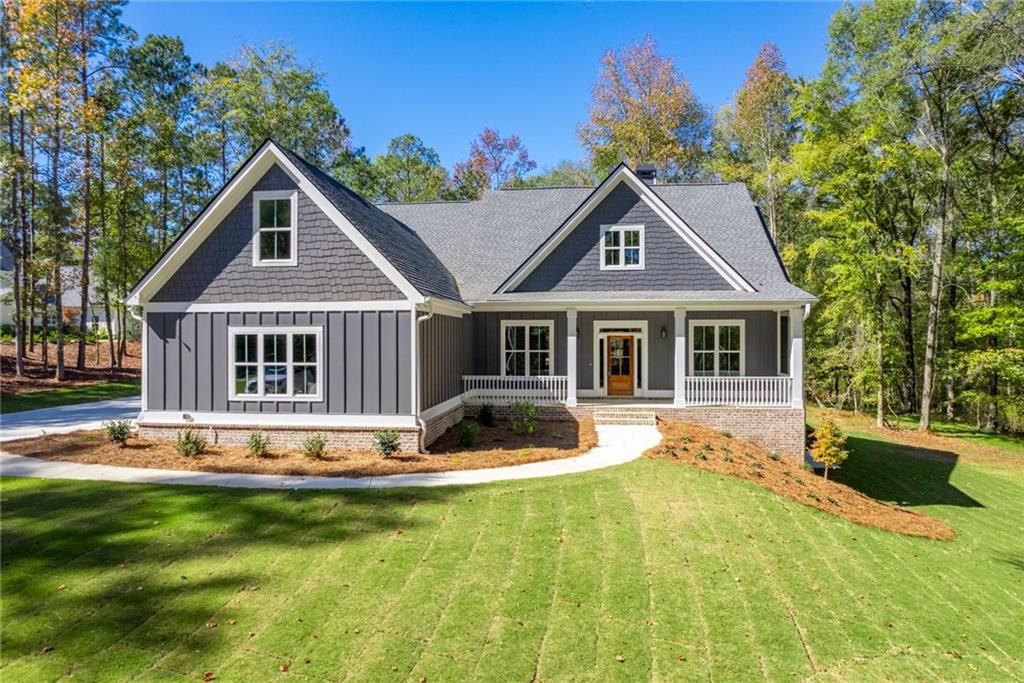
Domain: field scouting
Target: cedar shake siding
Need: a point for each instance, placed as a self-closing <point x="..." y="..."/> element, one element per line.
<point x="365" y="368"/>
<point x="446" y="354"/>
<point x="669" y="262"/>
<point x="330" y="267"/>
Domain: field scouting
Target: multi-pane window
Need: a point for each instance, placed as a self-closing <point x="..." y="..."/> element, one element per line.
<point x="275" y="364"/>
<point x="622" y="246"/>
<point x="274" y="218"/>
<point x="717" y="348"/>
<point x="526" y="348"/>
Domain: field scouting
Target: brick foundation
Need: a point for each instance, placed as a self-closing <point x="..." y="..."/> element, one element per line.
<point x="337" y="438"/>
<point x="440" y="424"/>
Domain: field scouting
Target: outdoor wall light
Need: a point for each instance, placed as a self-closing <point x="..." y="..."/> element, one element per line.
<point x="664" y="332"/>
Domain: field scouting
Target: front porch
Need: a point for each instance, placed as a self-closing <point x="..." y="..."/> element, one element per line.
<point x="680" y="358"/>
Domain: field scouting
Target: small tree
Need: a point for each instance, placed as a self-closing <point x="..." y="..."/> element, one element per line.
<point x="828" y="445"/>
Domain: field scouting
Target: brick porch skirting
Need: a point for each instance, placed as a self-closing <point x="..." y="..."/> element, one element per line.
<point x="337" y="438"/>
<point x="776" y="429"/>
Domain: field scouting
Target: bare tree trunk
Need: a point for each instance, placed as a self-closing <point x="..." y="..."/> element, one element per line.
<point x="934" y="297"/>
<point x="30" y="274"/>
<point x="105" y="262"/>
<point x="58" y="254"/>
<point x="86" y="189"/>
<point x="46" y="325"/>
<point x="880" y="356"/>
<point x="909" y="358"/>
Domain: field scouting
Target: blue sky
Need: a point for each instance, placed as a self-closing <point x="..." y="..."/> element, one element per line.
<point x="445" y="71"/>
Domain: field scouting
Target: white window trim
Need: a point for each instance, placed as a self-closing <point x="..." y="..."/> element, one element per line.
<point x="692" y="366"/>
<point x="550" y="324"/>
<point x="605" y="229"/>
<point x="778" y="340"/>
<point x="266" y="195"/>
<point x="601" y="331"/>
<point x="261" y="332"/>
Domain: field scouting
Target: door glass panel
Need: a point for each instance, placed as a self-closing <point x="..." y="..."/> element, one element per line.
<point x="600" y="370"/>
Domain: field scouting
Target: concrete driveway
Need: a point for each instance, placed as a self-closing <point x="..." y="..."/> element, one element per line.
<point x="30" y="423"/>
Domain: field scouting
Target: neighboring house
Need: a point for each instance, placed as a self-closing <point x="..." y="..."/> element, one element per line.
<point x="71" y="300"/>
<point x="291" y="304"/>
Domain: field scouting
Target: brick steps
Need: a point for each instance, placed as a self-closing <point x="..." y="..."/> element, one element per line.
<point x="624" y="416"/>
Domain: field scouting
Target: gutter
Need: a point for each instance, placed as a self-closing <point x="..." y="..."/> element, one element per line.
<point x="419" y="420"/>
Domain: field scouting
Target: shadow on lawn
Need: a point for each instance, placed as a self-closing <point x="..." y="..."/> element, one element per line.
<point x="110" y="548"/>
<point x="905" y="475"/>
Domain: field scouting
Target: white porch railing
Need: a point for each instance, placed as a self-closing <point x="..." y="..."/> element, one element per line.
<point x="739" y="391"/>
<point x="546" y="389"/>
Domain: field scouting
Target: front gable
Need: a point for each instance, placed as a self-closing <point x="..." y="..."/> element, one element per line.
<point x="622" y="201"/>
<point x="669" y="262"/>
<point x="329" y="266"/>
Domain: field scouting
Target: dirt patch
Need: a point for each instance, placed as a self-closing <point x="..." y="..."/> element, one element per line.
<point x="497" y="447"/>
<point x="37" y="378"/>
<point x="708" y="449"/>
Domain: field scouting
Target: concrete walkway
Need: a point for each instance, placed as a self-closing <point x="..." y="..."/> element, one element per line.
<point x="31" y="423"/>
<point x="617" y="444"/>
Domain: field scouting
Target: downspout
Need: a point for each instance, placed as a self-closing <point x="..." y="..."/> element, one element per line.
<point x="419" y="374"/>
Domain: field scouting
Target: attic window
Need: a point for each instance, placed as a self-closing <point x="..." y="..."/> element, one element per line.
<point x="622" y="247"/>
<point x="274" y="215"/>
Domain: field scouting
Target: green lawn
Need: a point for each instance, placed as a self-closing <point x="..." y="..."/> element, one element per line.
<point x="678" y="573"/>
<point x="68" y="395"/>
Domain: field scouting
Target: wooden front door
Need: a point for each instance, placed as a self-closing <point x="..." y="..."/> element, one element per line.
<point x="620" y="364"/>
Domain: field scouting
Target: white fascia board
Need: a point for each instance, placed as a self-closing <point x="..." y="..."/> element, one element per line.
<point x="625" y="174"/>
<point x="277" y="306"/>
<point x="226" y="201"/>
<point x="631" y="305"/>
<point x="283" y="420"/>
<point x="452" y="309"/>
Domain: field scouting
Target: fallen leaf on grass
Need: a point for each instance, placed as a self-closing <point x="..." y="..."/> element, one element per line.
<point x="211" y="624"/>
<point x="208" y="676"/>
<point x="620" y="658"/>
<point x="47" y="648"/>
<point x="283" y="668"/>
<point x="232" y="622"/>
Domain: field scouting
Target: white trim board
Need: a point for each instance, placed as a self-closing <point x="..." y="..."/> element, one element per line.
<point x="261" y="333"/>
<point x="598" y="335"/>
<point x="229" y="197"/>
<point x="278" y="307"/>
<point x="625" y="174"/>
<point x="717" y="325"/>
<point x="550" y="324"/>
<point x="284" y="420"/>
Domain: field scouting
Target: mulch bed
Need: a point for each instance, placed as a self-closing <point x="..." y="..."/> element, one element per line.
<point x="707" y="449"/>
<point x="496" y="447"/>
<point x="37" y="379"/>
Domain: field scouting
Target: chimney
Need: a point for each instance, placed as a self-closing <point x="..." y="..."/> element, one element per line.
<point x="647" y="173"/>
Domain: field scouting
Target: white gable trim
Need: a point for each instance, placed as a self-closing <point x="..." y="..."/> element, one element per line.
<point x="226" y="201"/>
<point x="624" y="174"/>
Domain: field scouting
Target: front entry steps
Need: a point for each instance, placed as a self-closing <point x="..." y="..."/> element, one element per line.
<point x="624" y="416"/>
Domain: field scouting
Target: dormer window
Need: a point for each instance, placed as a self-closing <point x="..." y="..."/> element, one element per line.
<point x="274" y="215"/>
<point x="622" y="247"/>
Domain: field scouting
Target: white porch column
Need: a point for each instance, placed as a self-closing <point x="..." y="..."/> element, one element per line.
<point x="570" y="355"/>
<point x="796" y="355"/>
<point x="679" y="388"/>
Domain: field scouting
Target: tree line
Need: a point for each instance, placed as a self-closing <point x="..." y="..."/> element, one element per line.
<point x="892" y="182"/>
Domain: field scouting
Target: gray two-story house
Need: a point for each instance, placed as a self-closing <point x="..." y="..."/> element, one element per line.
<point x="291" y="304"/>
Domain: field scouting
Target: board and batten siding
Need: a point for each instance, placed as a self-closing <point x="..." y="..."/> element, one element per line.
<point x="365" y="369"/>
<point x="446" y="354"/>
<point x="487" y="358"/>
<point x="761" y="337"/>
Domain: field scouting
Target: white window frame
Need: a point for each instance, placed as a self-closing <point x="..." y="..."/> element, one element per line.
<point x="550" y="324"/>
<point x="267" y="195"/>
<point x="605" y="229"/>
<point x="692" y="366"/>
<point x="261" y="332"/>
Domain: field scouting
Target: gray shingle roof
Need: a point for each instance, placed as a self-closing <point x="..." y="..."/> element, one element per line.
<point x="483" y="242"/>
<point x="397" y="242"/>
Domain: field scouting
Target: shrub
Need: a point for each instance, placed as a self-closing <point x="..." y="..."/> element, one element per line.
<point x="467" y="433"/>
<point x="726" y="434"/>
<point x="774" y="455"/>
<point x="257" y="444"/>
<point x="700" y="455"/>
<point x="314" y="446"/>
<point x="118" y="431"/>
<point x="486" y="415"/>
<point x="387" y="442"/>
<point x="828" y="445"/>
<point x="190" y="442"/>
<point x="524" y="417"/>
